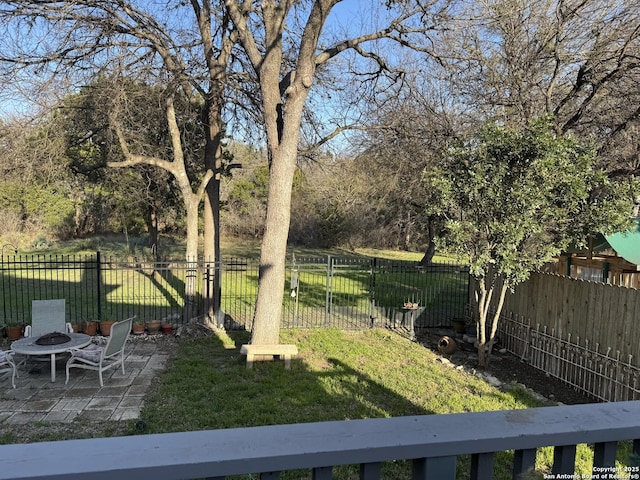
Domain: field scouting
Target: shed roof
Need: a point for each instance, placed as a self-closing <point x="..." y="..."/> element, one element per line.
<point x="627" y="244"/>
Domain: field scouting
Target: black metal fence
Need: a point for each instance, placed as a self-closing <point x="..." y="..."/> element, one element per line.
<point x="355" y="292"/>
<point x="607" y="376"/>
<point x="360" y="292"/>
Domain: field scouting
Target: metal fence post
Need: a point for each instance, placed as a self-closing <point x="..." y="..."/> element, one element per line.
<point x="373" y="265"/>
<point x="4" y="298"/>
<point x="327" y="307"/>
<point x="98" y="283"/>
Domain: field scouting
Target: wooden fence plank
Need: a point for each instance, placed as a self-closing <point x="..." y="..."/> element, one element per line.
<point x="589" y="312"/>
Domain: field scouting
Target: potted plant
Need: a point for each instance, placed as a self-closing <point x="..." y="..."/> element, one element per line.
<point x="105" y="327"/>
<point x="153" y="327"/>
<point x="13" y="330"/>
<point x="90" y="327"/>
<point x="138" y="327"/>
<point x="167" y="328"/>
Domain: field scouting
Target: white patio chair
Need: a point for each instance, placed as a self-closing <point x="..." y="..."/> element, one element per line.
<point x="47" y="316"/>
<point x="8" y="366"/>
<point x="102" y="358"/>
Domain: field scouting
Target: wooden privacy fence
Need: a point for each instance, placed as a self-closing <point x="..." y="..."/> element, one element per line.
<point x="585" y="333"/>
<point x="597" y="313"/>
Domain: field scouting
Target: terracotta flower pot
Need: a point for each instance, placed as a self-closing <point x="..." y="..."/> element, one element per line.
<point x="137" y="328"/>
<point x="14" y="332"/>
<point x="105" y="327"/>
<point x="90" y="328"/>
<point x="446" y="345"/>
<point x="153" y="327"/>
<point x="167" y="328"/>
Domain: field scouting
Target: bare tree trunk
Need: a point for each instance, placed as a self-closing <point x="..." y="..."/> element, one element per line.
<point x="212" y="254"/>
<point x="431" y="246"/>
<point x="212" y="289"/>
<point x="152" y="228"/>
<point x="266" y="325"/>
<point x="495" y="319"/>
<point x="283" y="99"/>
<point x="190" y="198"/>
<point x="190" y="309"/>
<point x="483" y="298"/>
<point x="282" y="107"/>
<point x="484" y="294"/>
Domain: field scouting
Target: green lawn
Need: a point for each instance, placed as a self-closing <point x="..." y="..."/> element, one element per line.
<point x="173" y="247"/>
<point x="337" y="376"/>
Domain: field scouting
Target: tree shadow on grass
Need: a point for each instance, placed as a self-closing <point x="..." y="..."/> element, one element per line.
<point x="208" y="386"/>
<point x="331" y="390"/>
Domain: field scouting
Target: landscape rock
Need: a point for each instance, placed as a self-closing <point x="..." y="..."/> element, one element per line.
<point x="445" y="361"/>
<point x="491" y="380"/>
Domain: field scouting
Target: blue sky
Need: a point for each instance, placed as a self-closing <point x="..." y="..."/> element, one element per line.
<point x="348" y="18"/>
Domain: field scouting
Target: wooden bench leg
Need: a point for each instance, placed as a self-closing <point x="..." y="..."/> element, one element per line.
<point x="269" y="352"/>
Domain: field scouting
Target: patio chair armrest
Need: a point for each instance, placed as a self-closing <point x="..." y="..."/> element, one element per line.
<point x="27" y="331"/>
<point x="91" y="352"/>
<point x="9" y="356"/>
<point x="69" y="327"/>
<point x="6" y="355"/>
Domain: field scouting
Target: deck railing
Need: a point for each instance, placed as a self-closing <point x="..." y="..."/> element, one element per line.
<point x="433" y="444"/>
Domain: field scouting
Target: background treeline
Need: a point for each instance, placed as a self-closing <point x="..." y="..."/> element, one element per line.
<point x="56" y="186"/>
<point x="56" y="183"/>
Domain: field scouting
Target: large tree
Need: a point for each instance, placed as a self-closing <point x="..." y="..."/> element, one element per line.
<point x="184" y="46"/>
<point x="282" y="40"/>
<point x="412" y="132"/>
<point x="513" y="198"/>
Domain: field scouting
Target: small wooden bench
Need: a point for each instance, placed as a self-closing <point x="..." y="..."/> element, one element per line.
<point x="284" y="351"/>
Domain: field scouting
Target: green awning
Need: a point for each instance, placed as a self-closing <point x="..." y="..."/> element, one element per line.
<point x="627" y="244"/>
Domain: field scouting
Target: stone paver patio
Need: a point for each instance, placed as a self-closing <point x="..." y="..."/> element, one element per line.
<point x="36" y="399"/>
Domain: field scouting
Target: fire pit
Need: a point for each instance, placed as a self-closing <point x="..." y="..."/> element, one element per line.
<point x="54" y="338"/>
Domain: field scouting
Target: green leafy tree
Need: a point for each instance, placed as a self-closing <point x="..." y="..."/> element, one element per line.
<point x="513" y="199"/>
<point x="247" y="202"/>
<point x="36" y="190"/>
<point x="140" y="194"/>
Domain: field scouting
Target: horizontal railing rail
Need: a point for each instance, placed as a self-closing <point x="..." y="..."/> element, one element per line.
<point x="432" y="443"/>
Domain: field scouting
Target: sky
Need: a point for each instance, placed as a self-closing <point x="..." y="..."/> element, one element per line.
<point x="348" y="18"/>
